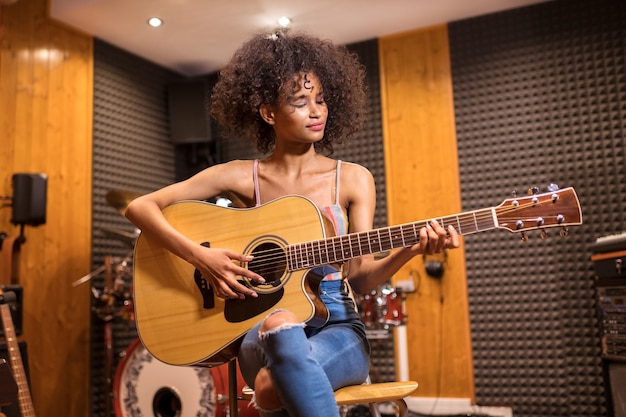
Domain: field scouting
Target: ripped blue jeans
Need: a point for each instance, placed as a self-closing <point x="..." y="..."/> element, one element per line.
<point x="308" y="364"/>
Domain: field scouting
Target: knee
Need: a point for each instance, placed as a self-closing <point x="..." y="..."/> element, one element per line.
<point x="278" y="319"/>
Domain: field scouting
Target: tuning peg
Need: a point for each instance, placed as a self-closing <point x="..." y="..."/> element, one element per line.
<point x="524" y="237"/>
<point x="553" y="187"/>
<point x="543" y="234"/>
<point x="533" y="191"/>
<point x="564" y="232"/>
<point x="514" y="194"/>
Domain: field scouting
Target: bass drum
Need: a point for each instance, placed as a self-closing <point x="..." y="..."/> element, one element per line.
<point x="145" y="386"/>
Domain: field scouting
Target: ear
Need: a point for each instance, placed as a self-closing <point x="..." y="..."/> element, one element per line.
<point x="267" y="114"/>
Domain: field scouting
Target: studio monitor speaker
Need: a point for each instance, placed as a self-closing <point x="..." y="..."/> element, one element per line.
<point x="29" y="199"/>
<point x="188" y="112"/>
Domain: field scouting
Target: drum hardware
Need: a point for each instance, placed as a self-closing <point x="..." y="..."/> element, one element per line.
<point x="115" y="299"/>
<point x="121" y="235"/>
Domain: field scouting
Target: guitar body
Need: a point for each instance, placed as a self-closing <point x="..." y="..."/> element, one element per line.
<point x="180" y="321"/>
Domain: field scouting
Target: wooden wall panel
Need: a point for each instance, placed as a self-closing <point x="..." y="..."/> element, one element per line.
<point x="423" y="182"/>
<point x="45" y="124"/>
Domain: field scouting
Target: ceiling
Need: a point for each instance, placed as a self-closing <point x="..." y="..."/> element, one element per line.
<point x="199" y="36"/>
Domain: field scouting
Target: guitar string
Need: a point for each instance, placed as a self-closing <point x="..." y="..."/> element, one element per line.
<point x="271" y="259"/>
<point x="336" y="241"/>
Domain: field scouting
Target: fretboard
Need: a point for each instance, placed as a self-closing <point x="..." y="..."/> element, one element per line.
<point x="339" y="249"/>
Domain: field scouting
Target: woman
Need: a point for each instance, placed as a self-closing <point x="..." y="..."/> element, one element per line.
<point x="296" y="96"/>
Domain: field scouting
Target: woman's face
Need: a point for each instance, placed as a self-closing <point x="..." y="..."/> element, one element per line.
<point x="301" y="113"/>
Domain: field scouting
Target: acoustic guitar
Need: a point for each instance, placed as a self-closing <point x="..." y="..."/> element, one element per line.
<point x="181" y="322"/>
<point x="23" y="392"/>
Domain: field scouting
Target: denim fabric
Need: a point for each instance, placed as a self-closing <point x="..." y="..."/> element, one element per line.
<point x="308" y="364"/>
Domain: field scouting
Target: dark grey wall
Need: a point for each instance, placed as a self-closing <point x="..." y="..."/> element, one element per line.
<point x="540" y="97"/>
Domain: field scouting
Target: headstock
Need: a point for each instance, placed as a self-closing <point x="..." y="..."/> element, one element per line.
<point x="555" y="208"/>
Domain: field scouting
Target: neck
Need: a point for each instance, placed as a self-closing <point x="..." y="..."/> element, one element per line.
<point x="290" y="162"/>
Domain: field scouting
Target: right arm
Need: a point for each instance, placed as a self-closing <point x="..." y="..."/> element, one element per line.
<point x="219" y="266"/>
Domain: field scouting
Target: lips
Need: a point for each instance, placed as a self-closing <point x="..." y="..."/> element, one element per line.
<point x="317" y="126"/>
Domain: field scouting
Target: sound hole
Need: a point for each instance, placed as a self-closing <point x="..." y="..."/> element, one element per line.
<point x="270" y="262"/>
<point x="166" y="403"/>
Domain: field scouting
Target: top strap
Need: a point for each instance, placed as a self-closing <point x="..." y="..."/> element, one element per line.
<point x="255" y="176"/>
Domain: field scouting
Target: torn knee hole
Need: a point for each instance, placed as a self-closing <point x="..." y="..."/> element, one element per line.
<point x="278" y="320"/>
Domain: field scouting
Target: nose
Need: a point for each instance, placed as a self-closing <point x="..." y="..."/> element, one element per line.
<point x="315" y="110"/>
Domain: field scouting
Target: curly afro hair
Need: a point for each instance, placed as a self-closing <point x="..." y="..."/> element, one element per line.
<point x="266" y="66"/>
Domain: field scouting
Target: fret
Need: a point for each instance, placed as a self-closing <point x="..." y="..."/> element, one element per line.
<point x="299" y="253"/>
<point x="458" y="226"/>
<point x="385" y="244"/>
<point x="323" y="251"/>
<point x="335" y="248"/>
<point x="307" y="251"/>
<point x="349" y="254"/>
<point x="312" y="252"/>
<point x="294" y="257"/>
<point x="289" y="251"/>
<point x="361" y="246"/>
<point x="396" y="238"/>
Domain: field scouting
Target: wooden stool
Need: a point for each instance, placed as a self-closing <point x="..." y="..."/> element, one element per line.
<point x="367" y="393"/>
<point x="372" y="394"/>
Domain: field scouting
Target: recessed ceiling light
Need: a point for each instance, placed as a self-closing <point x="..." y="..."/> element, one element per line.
<point x="284" y="21"/>
<point x="155" y="22"/>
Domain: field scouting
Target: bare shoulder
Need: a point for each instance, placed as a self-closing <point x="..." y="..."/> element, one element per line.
<point x="357" y="184"/>
<point x="355" y="174"/>
<point x="232" y="179"/>
<point x="229" y="171"/>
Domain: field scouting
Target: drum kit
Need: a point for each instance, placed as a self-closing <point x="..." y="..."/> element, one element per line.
<point x="142" y="385"/>
<point x="382" y="309"/>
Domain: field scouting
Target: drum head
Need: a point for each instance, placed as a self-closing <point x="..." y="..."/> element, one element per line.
<point x="145" y="386"/>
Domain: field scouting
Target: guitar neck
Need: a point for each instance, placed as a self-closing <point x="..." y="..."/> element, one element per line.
<point x="342" y="248"/>
<point x="23" y="391"/>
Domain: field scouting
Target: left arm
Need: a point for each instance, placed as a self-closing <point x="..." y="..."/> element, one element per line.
<point x="366" y="273"/>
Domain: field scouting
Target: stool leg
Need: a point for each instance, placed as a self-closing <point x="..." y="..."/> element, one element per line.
<point x="403" y="410"/>
<point x="374" y="411"/>
<point x="232" y="389"/>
